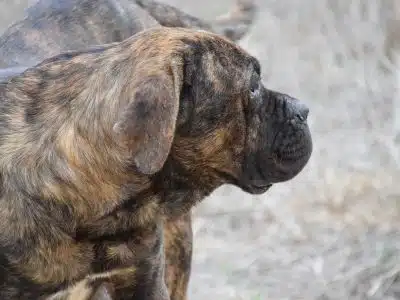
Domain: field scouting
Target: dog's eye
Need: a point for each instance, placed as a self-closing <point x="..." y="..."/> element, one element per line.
<point x="255" y="89"/>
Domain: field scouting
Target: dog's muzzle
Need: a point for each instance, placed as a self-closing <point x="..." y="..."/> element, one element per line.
<point x="284" y="143"/>
<point x="291" y="146"/>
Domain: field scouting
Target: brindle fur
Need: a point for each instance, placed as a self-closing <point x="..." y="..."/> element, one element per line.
<point x="54" y="26"/>
<point x="99" y="147"/>
<point x="43" y="32"/>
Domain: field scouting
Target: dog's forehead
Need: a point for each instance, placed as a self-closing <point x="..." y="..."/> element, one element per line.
<point x="219" y="55"/>
<point x="212" y="42"/>
<point x="169" y="38"/>
<point x="226" y="71"/>
<point x="225" y="64"/>
<point x="212" y="57"/>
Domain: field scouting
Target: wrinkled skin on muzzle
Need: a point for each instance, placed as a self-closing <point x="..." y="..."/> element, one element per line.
<point x="279" y="140"/>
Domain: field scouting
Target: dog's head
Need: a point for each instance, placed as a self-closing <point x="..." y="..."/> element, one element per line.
<point x="199" y="101"/>
<point x="164" y="100"/>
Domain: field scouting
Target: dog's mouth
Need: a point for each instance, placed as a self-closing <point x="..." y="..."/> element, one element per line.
<point x="274" y="162"/>
<point x="255" y="188"/>
<point x="277" y="160"/>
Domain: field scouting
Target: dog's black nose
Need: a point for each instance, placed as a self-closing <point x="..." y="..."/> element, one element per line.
<point x="301" y="110"/>
<point x="298" y="109"/>
<point x="291" y="108"/>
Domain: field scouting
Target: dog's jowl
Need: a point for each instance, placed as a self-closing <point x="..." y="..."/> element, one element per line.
<point x="98" y="147"/>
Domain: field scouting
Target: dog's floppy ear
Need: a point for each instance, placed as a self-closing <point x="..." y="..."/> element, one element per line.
<point x="148" y="123"/>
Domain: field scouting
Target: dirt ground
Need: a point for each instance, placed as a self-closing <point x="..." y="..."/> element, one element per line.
<point x="333" y="231"/>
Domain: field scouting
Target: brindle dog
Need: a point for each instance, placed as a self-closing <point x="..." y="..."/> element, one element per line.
<point x="98" y="147"/>
<point x="53" y="26"/>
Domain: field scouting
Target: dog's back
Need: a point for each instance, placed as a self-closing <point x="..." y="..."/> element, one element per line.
<point x="54" y="26"/>
<point x="8" y="73"/>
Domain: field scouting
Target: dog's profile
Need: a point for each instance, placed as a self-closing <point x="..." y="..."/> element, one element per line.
<point x="98" y="147"/>
<point x="53" y="26"/>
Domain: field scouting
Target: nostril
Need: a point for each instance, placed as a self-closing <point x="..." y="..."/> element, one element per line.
<point x="301" y="111"/>
<point x="295" y="109"/>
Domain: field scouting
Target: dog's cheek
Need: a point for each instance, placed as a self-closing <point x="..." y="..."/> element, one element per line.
<point x="210" y="114"/>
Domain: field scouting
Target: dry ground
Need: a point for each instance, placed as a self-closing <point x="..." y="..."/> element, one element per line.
<point x="332" y="232"/>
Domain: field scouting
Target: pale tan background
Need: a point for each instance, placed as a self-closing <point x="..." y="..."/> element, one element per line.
<point x="333" y="232"/>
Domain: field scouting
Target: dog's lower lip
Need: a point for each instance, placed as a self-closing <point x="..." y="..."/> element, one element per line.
<point x="257" y="189"/>
<point x="267" y="186"/>
<point x="252" y="188"/>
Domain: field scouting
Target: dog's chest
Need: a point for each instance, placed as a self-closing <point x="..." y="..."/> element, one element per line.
<point x="127" y="245"/>
<point x="137" y="251"/>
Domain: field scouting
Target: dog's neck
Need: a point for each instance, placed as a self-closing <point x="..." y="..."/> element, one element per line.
<point x="178" y="189"/>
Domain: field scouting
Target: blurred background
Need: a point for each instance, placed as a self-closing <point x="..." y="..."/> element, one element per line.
<point x="334" y="231"/>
